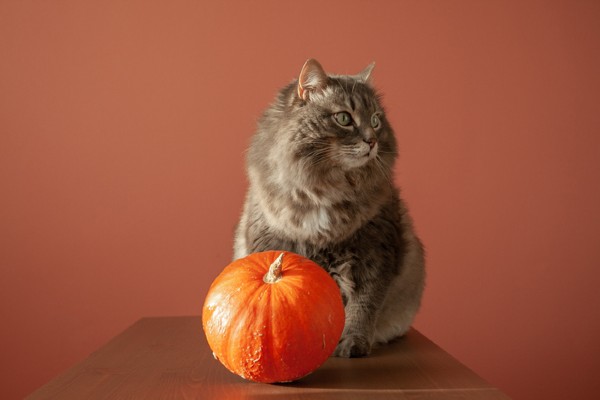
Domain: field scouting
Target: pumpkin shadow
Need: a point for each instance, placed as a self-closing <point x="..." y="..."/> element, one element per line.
<point x="387" y="367"/>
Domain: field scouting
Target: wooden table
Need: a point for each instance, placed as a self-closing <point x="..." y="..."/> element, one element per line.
<point x="168" y="358"/>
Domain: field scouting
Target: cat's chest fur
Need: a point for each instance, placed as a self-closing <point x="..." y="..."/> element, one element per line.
<point x="318" y="215"/>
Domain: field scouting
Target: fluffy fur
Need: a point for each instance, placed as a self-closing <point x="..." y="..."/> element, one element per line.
<point x="322" y="187"/>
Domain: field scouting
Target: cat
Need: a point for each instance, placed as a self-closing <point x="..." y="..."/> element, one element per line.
<point x="320" y="184"/>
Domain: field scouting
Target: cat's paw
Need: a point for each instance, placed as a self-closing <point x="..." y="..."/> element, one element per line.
<point x="353" y="346"/>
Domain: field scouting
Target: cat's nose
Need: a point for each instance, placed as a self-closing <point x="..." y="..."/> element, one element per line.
<point x="370" y="141"/>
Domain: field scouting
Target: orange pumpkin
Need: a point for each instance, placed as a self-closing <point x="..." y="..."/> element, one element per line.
<point x="273" y="317"/>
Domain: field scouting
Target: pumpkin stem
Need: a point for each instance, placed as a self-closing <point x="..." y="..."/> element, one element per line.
<point x="274" y="273"/>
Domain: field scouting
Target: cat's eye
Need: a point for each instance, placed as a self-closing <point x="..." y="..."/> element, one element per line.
<point x="343" y="118"/>
<point x="375" y="121"/>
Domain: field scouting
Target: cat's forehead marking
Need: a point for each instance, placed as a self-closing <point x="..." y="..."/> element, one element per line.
<point x="352" y="103"/>
<point x="355" y="95"/>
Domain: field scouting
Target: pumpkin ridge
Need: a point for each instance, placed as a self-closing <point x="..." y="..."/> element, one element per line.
<point x="280" y="305"/>
<point x="298" y="278"/>
<point x="260" y="326"/>
<point x="225" y="341"/>
<point x="257" y="265"/>
<point x="239" y="314"/>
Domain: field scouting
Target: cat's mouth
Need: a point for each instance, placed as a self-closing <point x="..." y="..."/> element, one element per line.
<point x="360" y="156"/>
<point x="371" y="151"/>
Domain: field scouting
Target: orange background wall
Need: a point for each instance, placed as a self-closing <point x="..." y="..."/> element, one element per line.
<point x="123" y="129"/>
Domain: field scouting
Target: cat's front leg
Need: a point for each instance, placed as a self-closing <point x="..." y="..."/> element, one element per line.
<point x="357" y="338"/>
<point x="359" y="330"/>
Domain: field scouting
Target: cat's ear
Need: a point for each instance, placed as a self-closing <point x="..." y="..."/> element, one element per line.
<point x="365" y="75"/>
<point x="312" y="79"/>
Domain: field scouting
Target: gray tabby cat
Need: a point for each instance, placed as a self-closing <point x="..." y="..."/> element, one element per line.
<point x="319" y="168"/>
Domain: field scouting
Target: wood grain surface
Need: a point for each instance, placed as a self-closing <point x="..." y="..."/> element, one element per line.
<point x="168" y="358"/>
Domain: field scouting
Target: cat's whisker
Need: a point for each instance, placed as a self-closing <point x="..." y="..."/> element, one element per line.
<point x="317" y="157"/>
<point x="379" y="163"/>
<point x="342" y="87"/>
